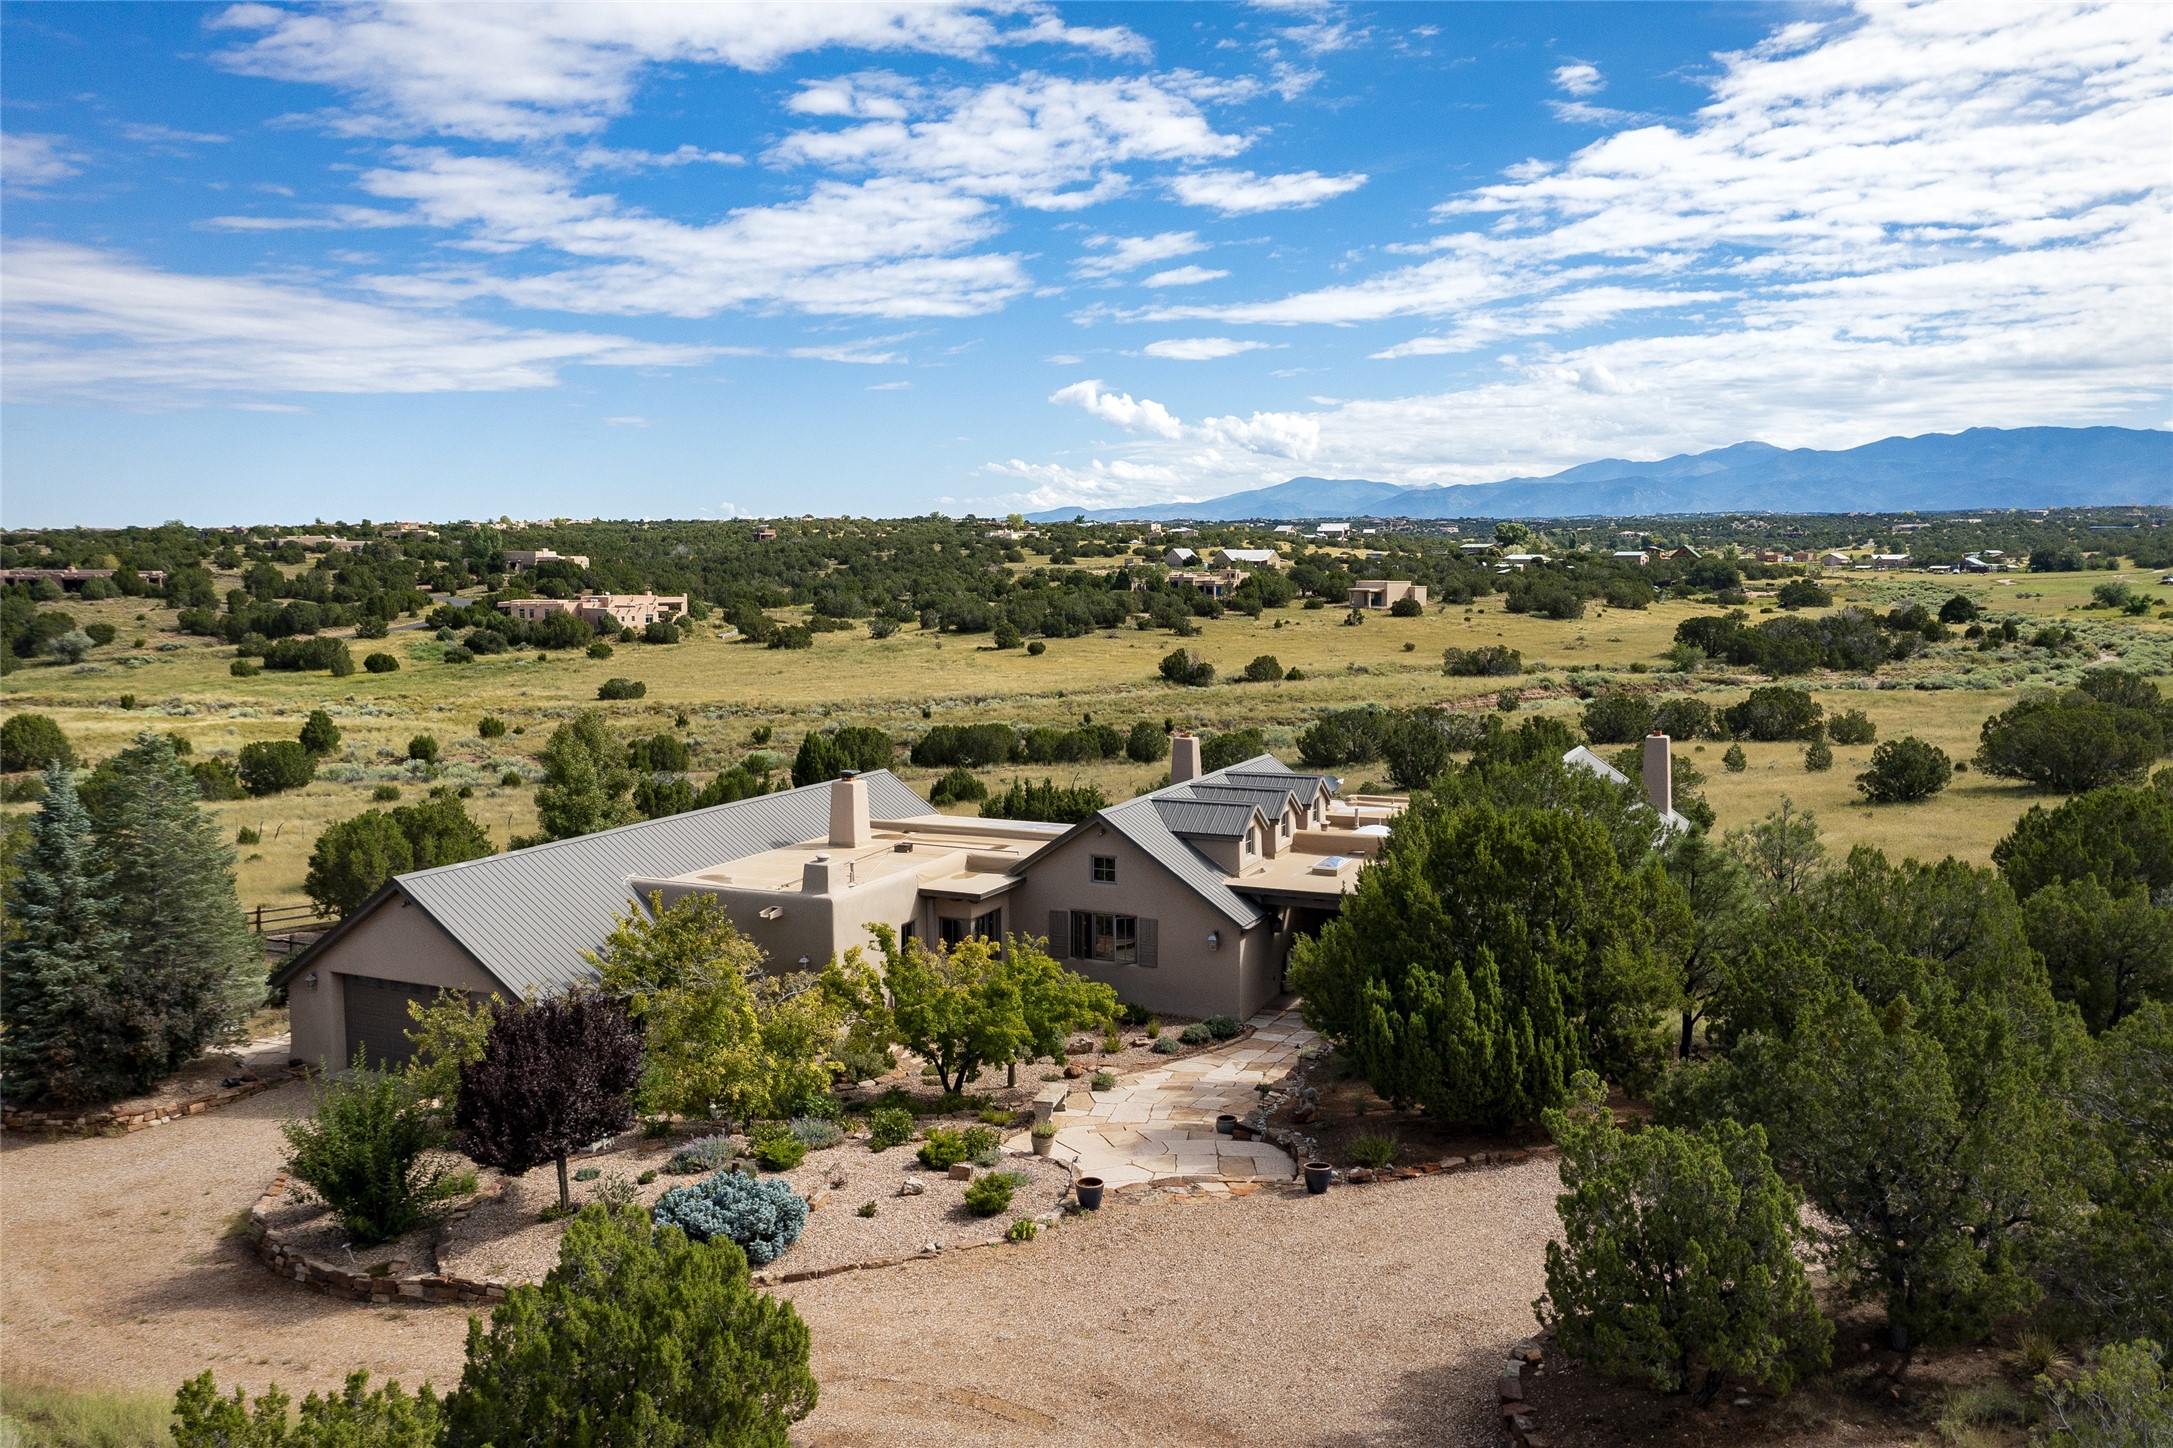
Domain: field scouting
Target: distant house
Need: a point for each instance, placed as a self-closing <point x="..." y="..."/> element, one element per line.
<point x="520" y="558"/>
<point x="1332" y="530"/>
<point x="326" y="541"/>
<point x="1891" y="560"/>
<point x="1633" y="555"/>
<point x="765" y="534"/>
<point x="1386" y="592"/>
<point x="1247" y="558"/>
<point x="1286" y="528"/>
<point x="1179" y="557"/>
<point x="1973" y="564"/>
<point x="1474" y="550"/>
<point x="621" y="610"/>
<point x="1831" y="559"/>
<point x="1656" y="765"/>
<point x="1215" y="583"/>
<point x="1684" y="554"/>
<point x="1521" y="561"/>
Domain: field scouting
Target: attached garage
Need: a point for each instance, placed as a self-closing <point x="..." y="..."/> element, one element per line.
<point x="378" y="1019"/>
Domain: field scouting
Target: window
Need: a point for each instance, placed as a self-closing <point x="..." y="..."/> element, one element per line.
<point x="950" y="931"/>
<point x="989" y="926"/>
<point x="1096" y="936"/>
<point x="1105" y="869"/>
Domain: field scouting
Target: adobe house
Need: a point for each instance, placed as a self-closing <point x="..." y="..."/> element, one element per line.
<point x="1386" y="592"/>
<point x="1186" y="900"/>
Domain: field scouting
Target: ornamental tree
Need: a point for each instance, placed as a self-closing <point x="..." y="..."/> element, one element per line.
<point x="1677" y="1265"/>
<point x="638" y="1338"/>
<point x="354" y="858"/>
<point x="554" y="1076"/>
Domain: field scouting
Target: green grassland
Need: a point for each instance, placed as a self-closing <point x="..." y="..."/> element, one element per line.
<point x="903" y="683"/>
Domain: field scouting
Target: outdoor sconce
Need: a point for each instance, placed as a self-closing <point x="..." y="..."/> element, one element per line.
<point x="310" y="980"/>
<point x="771" y="912"/>
<point x="1214" y="940"/>
<point x="803" y="962"/>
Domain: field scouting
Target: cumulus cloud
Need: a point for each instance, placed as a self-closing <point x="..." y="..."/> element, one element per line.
<point x="1111" y="256"/>
<point x="1579" y="78"/>
<point x="1236" y="193"/>
<point x="564" y="67"/>
<point x="1143" y="415"/>
<point x="1199" y="349"/>
<point x="82" y="323"/>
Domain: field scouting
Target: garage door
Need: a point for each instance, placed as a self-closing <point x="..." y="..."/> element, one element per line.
<point x="377" y="1017"/>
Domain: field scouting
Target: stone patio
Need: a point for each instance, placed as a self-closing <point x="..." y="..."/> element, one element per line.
<point x="1159" y="1124"/>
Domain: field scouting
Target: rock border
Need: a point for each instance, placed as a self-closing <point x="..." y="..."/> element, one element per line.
<point x="331" y="1280"/>
<point x="1517" y="1419"/>
<point x="110" y="1121"/>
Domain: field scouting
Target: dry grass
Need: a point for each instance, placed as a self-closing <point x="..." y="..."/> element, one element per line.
<point x="39" y="1415"/>
<point x="728" y="689"/>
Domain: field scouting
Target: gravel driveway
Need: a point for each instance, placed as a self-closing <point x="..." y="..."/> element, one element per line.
<point x="1371" y="1315"/>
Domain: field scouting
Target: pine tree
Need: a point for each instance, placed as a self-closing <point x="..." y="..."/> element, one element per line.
<point x="63" y="962"/>
<point x="194" y="972"/>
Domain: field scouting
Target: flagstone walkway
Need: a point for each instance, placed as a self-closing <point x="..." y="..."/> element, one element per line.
<point x="1159" y="1124"/>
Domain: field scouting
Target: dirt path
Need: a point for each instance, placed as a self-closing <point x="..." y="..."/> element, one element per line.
<point x="1369" y="1315"/>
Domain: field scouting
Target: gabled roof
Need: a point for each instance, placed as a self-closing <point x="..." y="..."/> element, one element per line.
<point x="1583" y="758"/>
<point x="527" y="916"/>
<point x="1140" y="822"/>
<point x="1205" y="819"/>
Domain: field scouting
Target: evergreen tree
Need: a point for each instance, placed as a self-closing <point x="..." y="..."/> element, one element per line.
<point x="587" y="785"/>
<point x="320" y="736"/>
<point x="63" y="1042"/>
<point x="638" y="1338"/>
<point x="194" y="970"/>
<point x="819" y="759"/>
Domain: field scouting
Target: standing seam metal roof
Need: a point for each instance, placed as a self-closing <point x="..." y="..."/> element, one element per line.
<point x="1140" y="822"/>
<point x="1213" y="819"/>
<point x="529" y="915"/>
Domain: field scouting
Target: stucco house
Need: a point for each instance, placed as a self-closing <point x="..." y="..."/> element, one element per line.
<point x="1187" y="899"/>
<point x="1386" y="592"/>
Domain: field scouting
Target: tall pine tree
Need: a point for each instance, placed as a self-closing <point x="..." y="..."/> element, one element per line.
<point x="61" y="962"/>
<point x="194" y="972"/>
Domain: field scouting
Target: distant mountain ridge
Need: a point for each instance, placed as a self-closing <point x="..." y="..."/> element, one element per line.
<point x="1985" y="467"/>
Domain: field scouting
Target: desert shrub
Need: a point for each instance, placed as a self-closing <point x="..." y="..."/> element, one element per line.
<point x="372" y="1151"/>
<point x="588" y="1174"/>
<point x="1683" y="718"/>
<point x="423" y="748"/>
<point x="1265" y="669"/>
<point x="1735" y="761"/>
<point x="957" y="785"/>
<point x="1490" y="661"/>
<point x="216" y="779"/>
<point x="1905" y="769"/>
<point x="815" y="1132"/>
<point x="707" y="1154"/>
<point x="1775" y="711"/>
<point x="272" y="766"/>
<point x="380" y="663"/>
<point x="1803" y="593"/>
<point x="1222" y="1028"/>
<point x="614" y="1191"/>
<point x="868" y="1208"/>
<point x="1146" y="743"/>
<point x="600" y="650"/>
<point x="1166" y="1046"/>
<point x="245" y="668"/>
<point x="490" y="726"/>
<point x="775" y="1147"/>
<point x="1023" y="1229"/>
<point x="947" y="1146"/>
<point x="1105" y="1081"/>
<point x="1195" y="1034"/>
<point x="1376" y="1149"/>
<point x="646" y="1177"/>
<point x="1185" y="666"/>
<point x="1047" y="800"/>
<point x="2070" y="742"/>
<point x="621" y="689"/>
<point x="889" y="1126"/>
<point x="989" y="1194"/>
<point x="2123" y="1400"/>
<point x="763" y="1216"/>
<point x="383" y="1417"/>
<point x="1851" y="726"/>
<point x="1818" y="756"/>
<point x="1406" y="607"/>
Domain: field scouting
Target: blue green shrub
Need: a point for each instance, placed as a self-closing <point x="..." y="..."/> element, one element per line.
<point x="764" y="1216"/>
<point x="696" y="1157"/>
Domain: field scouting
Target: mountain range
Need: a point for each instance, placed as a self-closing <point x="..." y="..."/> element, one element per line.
<point x="1985" y="467"/>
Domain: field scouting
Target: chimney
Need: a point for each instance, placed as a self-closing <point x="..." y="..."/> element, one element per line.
<point x="1659" y="774"/>
<point x="849" y="811"/>
<point x="1184" y="756"/>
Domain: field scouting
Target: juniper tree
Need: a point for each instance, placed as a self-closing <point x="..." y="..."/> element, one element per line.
<point x="194" y="972"/>
<point x="62" y="965"/>
<point x="638" y="1338"/>
<point x="586" y="781"/>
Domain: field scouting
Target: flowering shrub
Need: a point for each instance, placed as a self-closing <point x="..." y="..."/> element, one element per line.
<point x="763" y="1216"/>
<point x="696" y="1157"/>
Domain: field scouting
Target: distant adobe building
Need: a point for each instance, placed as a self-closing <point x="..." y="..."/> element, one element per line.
<point x="622" y="610"/>
<point x="521" y="558"/>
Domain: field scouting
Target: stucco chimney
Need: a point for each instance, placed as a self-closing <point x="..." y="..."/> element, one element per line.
<point x="1659" y="774"/>
<point x="1184" y="756"/>
<point x="849" y="811"/>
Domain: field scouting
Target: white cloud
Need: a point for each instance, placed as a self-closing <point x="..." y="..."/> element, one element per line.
<point x="1236" y="193"/>
<point x="1199" y="349"/>
<point x="170" y="138"/>
<point x="883" y="247"/>
<point x="899" y="386"/>
<point x="1050" y="142"/>
<point x="563" y="67"/>
<point x="29" y="161"/>
<point x="608" y="158"/>
<point x="1144" y="415"/>
<point x="335" y="218"/>
<point x="867" y="351"/>
<point x="87" y="324"/>
<point x="1919" y="218"/>
<point x="1183" y="276"/>
<point x="626" y="422"/>
<point x="1115" y="255"/>
<point x="1579" y="78"/>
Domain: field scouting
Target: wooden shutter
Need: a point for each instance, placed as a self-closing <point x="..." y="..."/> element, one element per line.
<point x="1144" y="933"/>
<point x="1060" y="934"/>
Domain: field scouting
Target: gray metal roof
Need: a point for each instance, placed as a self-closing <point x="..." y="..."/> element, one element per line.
<point x="1249" y="775"/>
<point x="1210" y="819"/>
<point x="528" y="916"/>
<point x="1272" y="800"/>
<point x="1140" y="822"/>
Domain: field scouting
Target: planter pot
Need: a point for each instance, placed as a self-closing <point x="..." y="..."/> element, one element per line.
<point x="1226" y="1123"/>
<point x="1043" y="1145"/>
<point x="1090" y="1193"/>
<point x="1317" y="1176"/>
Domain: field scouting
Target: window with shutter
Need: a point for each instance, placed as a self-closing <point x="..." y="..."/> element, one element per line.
<point x="1060" y="943"/>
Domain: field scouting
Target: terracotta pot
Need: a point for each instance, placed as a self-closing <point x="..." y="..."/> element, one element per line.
<point x="1317" y="1176"/>
<point x="1090" y="1193"/>
<point x="1226" y="1123"/>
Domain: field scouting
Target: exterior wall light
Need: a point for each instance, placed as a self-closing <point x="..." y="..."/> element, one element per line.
<point x="1214" y="940"/>
<point x="310" y="980"/>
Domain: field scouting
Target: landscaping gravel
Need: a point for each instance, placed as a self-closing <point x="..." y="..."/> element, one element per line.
<point x="1370" y="1315"/>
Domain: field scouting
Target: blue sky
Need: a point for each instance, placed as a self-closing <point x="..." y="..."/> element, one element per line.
<point x="454" y="260"/>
